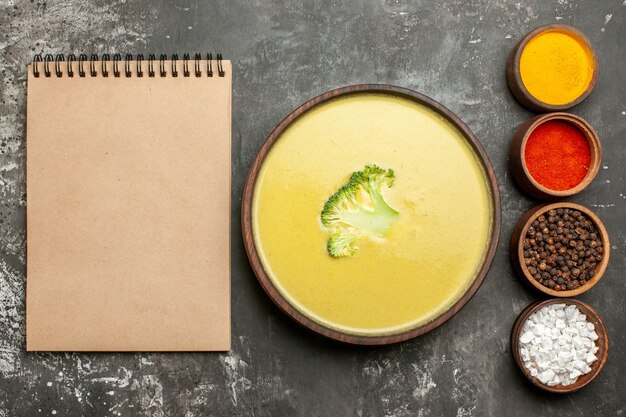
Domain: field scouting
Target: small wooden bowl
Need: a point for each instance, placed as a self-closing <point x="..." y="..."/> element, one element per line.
<point x="514" y="77"/>
<point x="602" y="343"/>
<point x="517" y="160"/>
<point x="517" y="248"/>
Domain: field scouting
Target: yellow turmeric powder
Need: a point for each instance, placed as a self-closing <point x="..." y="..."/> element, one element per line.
<point x="556" y="67"/>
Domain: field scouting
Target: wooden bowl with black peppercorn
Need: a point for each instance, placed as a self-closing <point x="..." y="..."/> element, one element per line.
<point x="561" y="249"/>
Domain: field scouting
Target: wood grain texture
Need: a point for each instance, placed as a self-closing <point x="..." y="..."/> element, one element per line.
<point x="255" y="261"/>
<point x="602" y="343"/>
<point x="517" y="160"/>
<point x="517" y="249"/>
<point x="514" y="78"/>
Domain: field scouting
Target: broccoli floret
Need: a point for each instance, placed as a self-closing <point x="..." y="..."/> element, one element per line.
<point x="358" y="209"/>
<point x="341" y="243"/>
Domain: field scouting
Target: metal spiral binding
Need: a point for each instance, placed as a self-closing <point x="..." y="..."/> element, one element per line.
<point x="151" y="59"/>
<point x="70" y="70"/>
<point x="162" y="59"/>
<point x="139" y="70"/>
<point x="92" y="64"/>
<point x="58" y="60"/>
<point x="197" y="59"/>
<point x="46" y="62"/>
<point x="81" y="70"/>
<point x="186" y="65"/>
<point x="116" y="59"/>
<point x="220" y="69"/>
<point x="174" y="65"/>
<point x="105" y="58"/>
<point x="127" y="70"/>
<point x="209" y="65"/>
<point x="57" y="65"/>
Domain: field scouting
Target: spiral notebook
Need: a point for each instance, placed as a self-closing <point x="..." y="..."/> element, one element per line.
<point x="128" y="203"/>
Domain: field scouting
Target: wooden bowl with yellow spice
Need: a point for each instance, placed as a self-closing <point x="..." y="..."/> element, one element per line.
<point x="552" y="68"/>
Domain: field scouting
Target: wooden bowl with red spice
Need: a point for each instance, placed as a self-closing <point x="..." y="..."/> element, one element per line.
<point x="555" y="155"/>
<point x="592" y="236"/>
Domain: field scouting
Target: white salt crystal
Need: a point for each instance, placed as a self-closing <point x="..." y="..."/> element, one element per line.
<point x="577" y="341"/>
<point x="593" y="335"/>
<point x="564" y="358"/>
<point x="526" y="337"/>
<point x="591" y="358"/>
<point x="580" y="365"/>
<point x="546" y="376"/>
<point x="547" y="343"/>
<point x="524" y="353"/>
<point x="539" y="329"/>
<point x="575" y="374"/>
<point x="543" y="364"/>
<point x="580" y="354"/>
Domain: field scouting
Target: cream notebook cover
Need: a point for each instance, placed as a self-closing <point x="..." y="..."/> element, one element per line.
<point x="128" y="204"/>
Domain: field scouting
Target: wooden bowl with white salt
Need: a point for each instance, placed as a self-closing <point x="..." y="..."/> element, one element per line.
<point x="602" y="343"/>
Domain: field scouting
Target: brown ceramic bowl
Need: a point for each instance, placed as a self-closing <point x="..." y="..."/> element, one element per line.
<point x="602" y="343"/>
<point x="517" y="249"/>
<point x="514" y="78"/>
<point x="255" y="258"/>
<point x="517" y="161"/>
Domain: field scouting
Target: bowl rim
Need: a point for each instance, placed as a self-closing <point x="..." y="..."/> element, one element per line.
<point x="263" y="277"/>
<point x="593" y="141"/>
<point x="602" y="343"/>
<point x="518" y="247"/>
<point x="515" y="75"/>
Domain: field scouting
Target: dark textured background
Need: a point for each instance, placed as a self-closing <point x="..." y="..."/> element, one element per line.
<point x="284" y="54"/>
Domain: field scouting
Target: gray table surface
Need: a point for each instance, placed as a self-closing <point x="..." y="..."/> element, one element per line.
<point x="283" y="54"/>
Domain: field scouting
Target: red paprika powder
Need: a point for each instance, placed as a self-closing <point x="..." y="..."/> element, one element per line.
<point x="557" y="155"/>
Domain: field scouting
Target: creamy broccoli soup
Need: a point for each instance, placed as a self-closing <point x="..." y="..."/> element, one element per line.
<point x="407" y="272"/>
